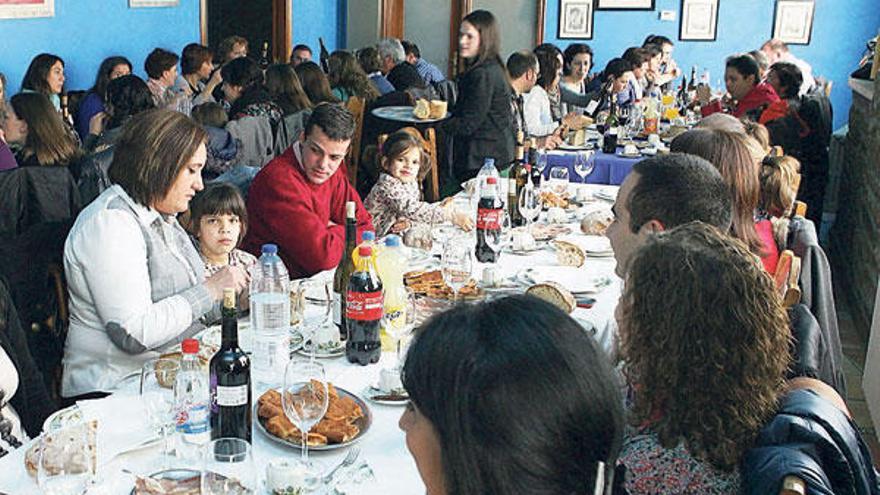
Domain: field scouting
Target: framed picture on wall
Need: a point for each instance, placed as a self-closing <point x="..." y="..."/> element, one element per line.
<point x="625" y="4"/>
<point x="20" y="9"/>
<point x="793" y="21"/>
<point x="699" y="20"/>
<point x="152" y="3"/>
<point x="576" y="19"/>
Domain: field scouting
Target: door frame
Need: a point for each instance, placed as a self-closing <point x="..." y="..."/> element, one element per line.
<point x="282" y="28"/>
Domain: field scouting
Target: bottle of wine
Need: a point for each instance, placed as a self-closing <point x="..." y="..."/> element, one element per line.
<point x="325" y="56"/>
<point x="612" y="124"/>
<point x="230" y="380"/>
<point x="264" y="56"/>
<point x="513" y="174"/>
<point x="344" y="270"/>
<point x="595" y="105"/>
<point x="692" y="85"/>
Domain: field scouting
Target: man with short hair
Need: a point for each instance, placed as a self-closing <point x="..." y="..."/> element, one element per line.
<point x="429" y="72"/>
<point x="161" y="68"/>
<point x="300" y="53"/>
<point x="523" y="71"/>
<point x="391" y="53"/>
<point x="297" y="200"/>
<point x="664" y="192"/>
<point x="777" y="51"/>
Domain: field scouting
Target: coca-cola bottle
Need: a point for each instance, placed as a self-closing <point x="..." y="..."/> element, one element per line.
<point x="489" y="212"/>
<point x="363" y="312"/>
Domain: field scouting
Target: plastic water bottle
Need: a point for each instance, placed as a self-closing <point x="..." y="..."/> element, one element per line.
<point x="191" y="398"/>
<point x="487" y="170"/>
<point x="270" y="317"/>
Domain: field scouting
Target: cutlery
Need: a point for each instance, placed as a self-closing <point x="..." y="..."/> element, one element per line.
<point x="348" y="461"/>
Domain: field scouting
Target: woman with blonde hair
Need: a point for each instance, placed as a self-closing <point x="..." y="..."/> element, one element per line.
<point x="729" y="152"/>
<point x="348" y="79"/>
<point x="700" y="387"/>
<point x="32" y="125"/>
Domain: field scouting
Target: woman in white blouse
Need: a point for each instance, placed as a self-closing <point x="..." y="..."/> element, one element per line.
<point x="136" y="283"/>
<point x="536" y="103"/>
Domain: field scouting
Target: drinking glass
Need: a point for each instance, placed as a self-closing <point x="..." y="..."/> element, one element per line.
<point x="398" y="324"/>
<point x="456" y="264"/>
<point x="157" y="397"/>
<point x="66" y="464"/>
<point x="529" y="203"/>
<point x="559" y="180"/>
<point x="541" y="163"/>
<point x="498" y="242"/>
<point x="317" y="314"/>
<point x="304" y="398"/>
<point x="584" y="163"/>
<point x="228" y="467"/>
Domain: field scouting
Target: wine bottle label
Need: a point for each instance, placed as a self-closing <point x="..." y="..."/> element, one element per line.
<point x="489" y="218"/>
<point x="591" y="106"/>
<point x="364" y="306"/>
<point x="232" y="396"/>
<point x="337" y="308"/>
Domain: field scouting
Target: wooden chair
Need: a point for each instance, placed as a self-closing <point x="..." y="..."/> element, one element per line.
<point x="431" y="181"/>
<point x="356" y="106"/>
<point x="800" y="209"/>
<point x="788" y="272"/>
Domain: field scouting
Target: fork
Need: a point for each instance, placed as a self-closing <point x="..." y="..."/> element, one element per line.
<point x="348" y="461"/>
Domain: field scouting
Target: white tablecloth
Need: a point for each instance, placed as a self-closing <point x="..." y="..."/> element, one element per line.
<point x="383" y="446"/>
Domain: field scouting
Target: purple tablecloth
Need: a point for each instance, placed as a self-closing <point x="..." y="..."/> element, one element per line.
<point x="609" y="169"/>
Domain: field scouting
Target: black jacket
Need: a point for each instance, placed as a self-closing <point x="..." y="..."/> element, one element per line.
<point x="481" y="124"/>
<point x="812" y="439"/>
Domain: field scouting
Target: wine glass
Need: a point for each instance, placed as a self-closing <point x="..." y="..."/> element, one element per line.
<point x="67" y="460"/>
<point x="529" y="203"/>
<point x="559" y="180"/>
<point x="400" y="322"/>
<point x="157" y="397"/>
<point x="228" y="467"/>
<point x="317" y="319"/>
<point x="584" y="163"/>
<point x="456" y="264"/>
<point x="497" y="242"/>
<point x="541" y="163"/>
<point x="304" y="398"/>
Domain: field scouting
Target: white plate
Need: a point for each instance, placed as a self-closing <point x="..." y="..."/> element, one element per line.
<point x="63" y="417"/>
<point x="573" y="279"/>
<point x="591" y="244"/>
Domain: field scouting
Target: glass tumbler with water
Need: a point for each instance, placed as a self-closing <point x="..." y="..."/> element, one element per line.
<point x="270" y="316"/>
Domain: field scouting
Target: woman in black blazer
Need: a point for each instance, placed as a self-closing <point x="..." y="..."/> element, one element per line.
<point x="481" y="125"/>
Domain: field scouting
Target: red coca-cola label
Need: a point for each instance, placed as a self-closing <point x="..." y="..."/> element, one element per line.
<point x="364" y="306"/>
<point x="489" y="218"/>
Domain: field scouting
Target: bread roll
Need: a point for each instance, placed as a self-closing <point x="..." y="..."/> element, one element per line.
<point x="438" y="109"/>
<point x="596" y="222"/>
<point x="422" y="109"/>
<point x="554" y="294"/>
<point x="569" y="254"/>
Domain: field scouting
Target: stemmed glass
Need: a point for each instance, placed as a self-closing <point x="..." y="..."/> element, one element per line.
<point x="157" y="396"/>
<point x="228" y="467"/>
<point x="529" y="203"/>
<point x="559" y="180"/>
<point x="401" y="322"/>
<point x="304" y="398"/>
<point x="67" y="464"/>
<point x="456" y="264"/>
<point x="541" y="164"/>
<point x="503" y="239"/>
<point x="584" y="163"/>
<point x="318" y="319"/>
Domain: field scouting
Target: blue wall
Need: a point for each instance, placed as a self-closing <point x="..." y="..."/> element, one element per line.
<point x="840" y="29"/>
<point x="84" y="32"/>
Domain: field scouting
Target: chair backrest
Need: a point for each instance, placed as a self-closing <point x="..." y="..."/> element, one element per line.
<point x="788" y="271"/>
<point x="356" y="106"/>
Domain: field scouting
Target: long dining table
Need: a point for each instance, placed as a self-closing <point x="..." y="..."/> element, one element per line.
<point x="122" y="423"/>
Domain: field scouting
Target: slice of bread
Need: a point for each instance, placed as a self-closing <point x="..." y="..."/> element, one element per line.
<point x="422" y="109"/>
<point x="554" y="294"/>
<point x="569" y="254"/>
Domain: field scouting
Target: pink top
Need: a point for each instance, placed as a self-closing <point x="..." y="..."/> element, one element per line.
<point x="771" y="258"/>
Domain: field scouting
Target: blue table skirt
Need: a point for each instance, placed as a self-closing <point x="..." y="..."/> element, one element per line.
<point x="609" y="169"/>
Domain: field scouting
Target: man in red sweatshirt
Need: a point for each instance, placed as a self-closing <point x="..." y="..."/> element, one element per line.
<point x="750" y="95"/>
<point x="297" y="200"/>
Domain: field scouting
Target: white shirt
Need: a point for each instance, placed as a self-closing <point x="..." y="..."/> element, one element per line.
<point x="9" y="385"/>
<point x="536" y="109"/>
<point x="109" y="280"/>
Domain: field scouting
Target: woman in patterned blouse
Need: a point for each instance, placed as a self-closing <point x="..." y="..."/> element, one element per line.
<point x="395" y="201"/>
<point x="704" y="340"/>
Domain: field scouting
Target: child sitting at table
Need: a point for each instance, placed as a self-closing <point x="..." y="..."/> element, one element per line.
<point x="218" y="221"/>
<point x="395" y="201"/>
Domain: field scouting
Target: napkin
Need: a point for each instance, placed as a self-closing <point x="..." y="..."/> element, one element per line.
<point x="122" y="424"/>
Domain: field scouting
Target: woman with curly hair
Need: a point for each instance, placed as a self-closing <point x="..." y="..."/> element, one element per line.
<point x="705" y="347"/>
<point x="348" y="79"/>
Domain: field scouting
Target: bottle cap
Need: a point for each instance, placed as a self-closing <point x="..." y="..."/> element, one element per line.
<point x="489" y="161"/>
<point x="392" y="241"/>
<point x="229" y="297"/>
<point x="365" y="251"/>
<point x="190" y="346"/>
<point x="491" y="180"/>
<point x="368" y="235"/>
<point x="269" y="248"/>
